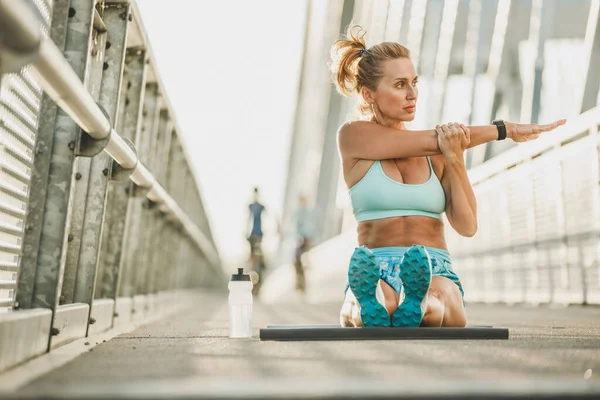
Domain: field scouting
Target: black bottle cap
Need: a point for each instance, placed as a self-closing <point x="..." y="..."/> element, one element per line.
<point x="240" y="276"/>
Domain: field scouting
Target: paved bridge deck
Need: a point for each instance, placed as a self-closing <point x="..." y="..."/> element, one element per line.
<point x="190" y="353"/>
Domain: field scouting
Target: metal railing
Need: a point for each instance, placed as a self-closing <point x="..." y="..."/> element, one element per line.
<point x="101" y="218"/>
<point x="62" y="84"/>
<point x="24" y="44"/>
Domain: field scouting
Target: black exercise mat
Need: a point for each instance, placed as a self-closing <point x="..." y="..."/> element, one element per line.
<point x="335" y="332"/>
<point x="321" y="326"/>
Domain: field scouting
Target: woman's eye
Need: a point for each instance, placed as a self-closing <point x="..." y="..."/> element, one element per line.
<point x="403" y="84"/>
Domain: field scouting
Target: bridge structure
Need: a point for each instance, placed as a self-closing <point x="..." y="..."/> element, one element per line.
<point x="111" y="285"/>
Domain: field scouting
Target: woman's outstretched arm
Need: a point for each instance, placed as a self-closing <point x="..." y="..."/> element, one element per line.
<point x="372" y="141"/>
<point x="515" y="132"/>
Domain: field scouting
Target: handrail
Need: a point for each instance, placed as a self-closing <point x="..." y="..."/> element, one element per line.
<point x="17" y="17"/>
<point x="62" y="84"/>
<point x="575" y="126"/>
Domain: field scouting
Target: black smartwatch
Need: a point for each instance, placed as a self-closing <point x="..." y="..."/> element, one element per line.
<point x="501" y="128"/>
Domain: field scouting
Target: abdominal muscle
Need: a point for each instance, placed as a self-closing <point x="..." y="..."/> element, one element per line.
<point x="399" y="232"/>
<point x="402" y="232"/>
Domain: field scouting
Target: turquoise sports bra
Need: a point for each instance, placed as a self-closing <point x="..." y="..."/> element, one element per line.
<point x="378" y="196"/>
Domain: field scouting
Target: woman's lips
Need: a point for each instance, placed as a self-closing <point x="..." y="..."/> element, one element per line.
<point x="410" y="109"/>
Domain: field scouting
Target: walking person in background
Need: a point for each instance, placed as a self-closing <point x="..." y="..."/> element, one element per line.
<point x="305" y="231"/>
<point x="400" y="182"/>
<point x="255" y="218"/>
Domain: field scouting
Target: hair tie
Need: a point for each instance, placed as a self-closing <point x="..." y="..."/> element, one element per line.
<point x="362" y="51"/>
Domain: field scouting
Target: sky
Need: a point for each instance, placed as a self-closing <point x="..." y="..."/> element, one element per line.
<point x="231" y="71"/>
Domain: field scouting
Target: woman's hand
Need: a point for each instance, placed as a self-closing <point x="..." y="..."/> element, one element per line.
<point x="525" y="132"/>
<point x="453" y="139"/>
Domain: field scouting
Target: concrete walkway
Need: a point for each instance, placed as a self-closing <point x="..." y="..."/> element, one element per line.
<point x="189" y="355"/>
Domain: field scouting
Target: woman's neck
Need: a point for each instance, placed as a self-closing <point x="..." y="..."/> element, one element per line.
<point x="392" y="123"/>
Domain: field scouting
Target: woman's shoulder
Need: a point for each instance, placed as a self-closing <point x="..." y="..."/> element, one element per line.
<point x="350" y="128"/>
<point x="353" y="124"/>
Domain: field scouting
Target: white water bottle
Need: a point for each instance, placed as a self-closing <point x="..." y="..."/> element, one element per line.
<point x="240" y="305"/>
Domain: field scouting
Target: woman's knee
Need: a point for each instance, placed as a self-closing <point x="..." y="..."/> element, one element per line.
<point x="458" y="319"/>
<point x="444" y="307"/>
<point x="350" y="312"/>
<point x="455" y="314"/>
<point x="434" y="311"/>
<point x="346" y="315"/>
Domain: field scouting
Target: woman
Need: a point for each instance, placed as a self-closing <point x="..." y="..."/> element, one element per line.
<point x="400" y="182"/>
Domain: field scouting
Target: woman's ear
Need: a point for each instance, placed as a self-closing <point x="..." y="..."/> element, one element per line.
<point x="367" y="95"/>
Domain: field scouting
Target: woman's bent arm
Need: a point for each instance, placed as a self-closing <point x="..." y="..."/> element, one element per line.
<point x="461" y="205"/>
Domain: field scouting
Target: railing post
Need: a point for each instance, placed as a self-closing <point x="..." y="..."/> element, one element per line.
<point x="176" y="245"/>
<point x="44" y="241"/>
<point x="151" y="243"/>
<point x="164" y="232"/>
<point x="149" y="211"/>
<point x="118" y="215"/>
<point x="184" y="252"/>
<point x="88" y="193"/>
<point x="110" y="68"/>
<point x="137" y="223"/>
<point x="115" y="18"/>
<point x="195" y="255"/>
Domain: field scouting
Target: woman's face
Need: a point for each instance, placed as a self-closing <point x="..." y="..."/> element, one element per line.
<point x="396" y="93"/>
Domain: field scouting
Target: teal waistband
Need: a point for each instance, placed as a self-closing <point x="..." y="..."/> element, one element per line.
<point x="399" y="252"/>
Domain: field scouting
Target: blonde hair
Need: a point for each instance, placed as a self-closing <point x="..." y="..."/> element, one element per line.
<point x="354" y="66"/>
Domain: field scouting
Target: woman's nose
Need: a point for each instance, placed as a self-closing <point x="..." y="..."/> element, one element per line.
<point x="411" y="94"/>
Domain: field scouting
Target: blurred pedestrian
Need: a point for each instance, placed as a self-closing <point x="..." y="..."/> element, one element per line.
<point x="305" y="231"/>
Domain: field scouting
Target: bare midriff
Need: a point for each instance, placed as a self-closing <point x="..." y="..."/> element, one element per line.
<point x="402" y="232"/>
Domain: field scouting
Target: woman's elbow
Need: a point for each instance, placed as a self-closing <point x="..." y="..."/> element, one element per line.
<point x="469" y="231"/>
